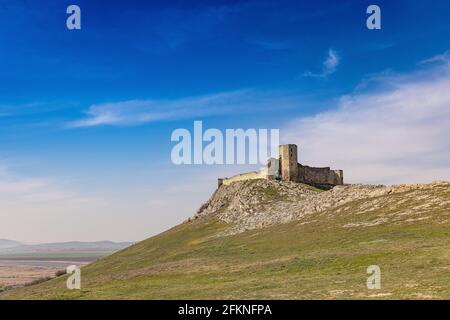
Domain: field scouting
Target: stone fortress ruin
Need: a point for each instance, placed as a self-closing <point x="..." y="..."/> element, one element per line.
<point x="287" y="168"/>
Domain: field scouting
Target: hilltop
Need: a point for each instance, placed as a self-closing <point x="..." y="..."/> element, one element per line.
<point x="279" y="240"/>
<point x="256" y="204"/>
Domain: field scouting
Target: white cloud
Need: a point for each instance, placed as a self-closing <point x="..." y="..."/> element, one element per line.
<point x="25" y="191"/>
<point x="135" y="112"/>
<point x="331" y="63"/>
<point x="329" y="66"/>
<point x="398" y="132"/>
<point x="40" y="209"/>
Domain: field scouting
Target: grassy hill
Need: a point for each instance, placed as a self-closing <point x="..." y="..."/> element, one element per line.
<point x="321" y="255"/>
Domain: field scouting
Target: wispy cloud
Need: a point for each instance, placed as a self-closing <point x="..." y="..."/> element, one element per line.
<point x="135" y="112"/>
<point x="329" y="66"/>
<point x="22" y="109"/>
<point x="19" y="191"/>
<point x="39" y="208"/>
<point x="396" y="132"/>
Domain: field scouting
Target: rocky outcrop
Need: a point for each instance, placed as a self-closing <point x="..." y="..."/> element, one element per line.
<point x="256" y="204"/>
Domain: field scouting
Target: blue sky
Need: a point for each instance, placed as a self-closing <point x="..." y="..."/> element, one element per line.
<point x="86" y="116"/>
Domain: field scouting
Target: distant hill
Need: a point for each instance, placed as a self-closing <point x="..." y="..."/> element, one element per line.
<point x="5" y="244"/>
<point x="63" y="247"/>
<point x="279" y="240"/>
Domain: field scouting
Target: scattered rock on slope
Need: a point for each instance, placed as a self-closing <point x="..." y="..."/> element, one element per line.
<point x="256" y="204"/>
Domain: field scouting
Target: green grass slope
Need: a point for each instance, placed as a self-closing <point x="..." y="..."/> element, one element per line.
<point x="324" y="256"/>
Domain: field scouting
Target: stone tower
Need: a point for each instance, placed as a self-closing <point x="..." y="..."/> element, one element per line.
<point x="288" y="162"/>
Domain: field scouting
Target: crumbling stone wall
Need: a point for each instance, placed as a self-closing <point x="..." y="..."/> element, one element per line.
<point x="319" y="176"/>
